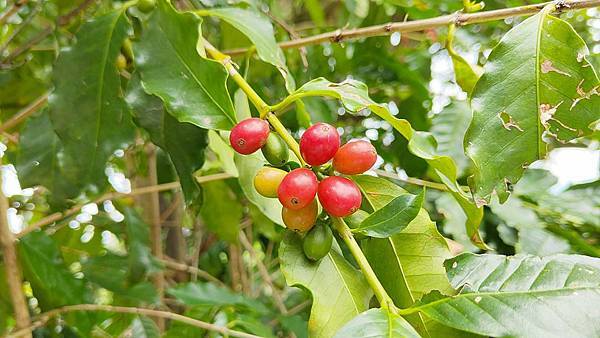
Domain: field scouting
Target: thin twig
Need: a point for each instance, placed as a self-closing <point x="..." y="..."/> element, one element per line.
<point x="24" y="113"/>
<point x="263" y="273"/>
<point x="292" y="33"/>
<point x="458" y="18"/>
<point x="43" y="318"/>
<point x="192" y="270"/>
<point x="12" y="10"/>
<point x="62" y="21"/>
<point x="11" y="265"/>
<point x="113" y="195"/>
<point x="22" y="25"/>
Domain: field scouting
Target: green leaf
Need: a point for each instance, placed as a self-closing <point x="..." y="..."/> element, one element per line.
<point x="338" y="290"/>
<point x="410" y="263"/>
<point x="449" y="127"/>
<point x="223" y="151"/>
<point x="52" y="283"/>
<point x="221" y="211"/>
<point x="377" y="323"/>
<point x="144" y="327"/>
<point x="87" y="107"/>
<point x="192" y="87"/>
<point x="393" y="217"/>
<point x="466" y="74"/>
<point x="38" y="158"/>
<point x="537" y="84"/>
<point x="520" y="296"/>
<point x="207" y="294"/>
<point x="184" y="142"/>
<point x="355" y="97"/>
<point x="260" y="31"/>
<point x="140" y="258"/>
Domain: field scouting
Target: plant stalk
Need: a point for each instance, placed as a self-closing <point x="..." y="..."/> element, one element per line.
<point x="13" y="272"/>
<point x="384" y="299"/>
<point x="461" y="19"/>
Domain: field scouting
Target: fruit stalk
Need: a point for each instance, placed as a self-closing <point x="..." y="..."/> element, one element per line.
<point x="384" y="299"/>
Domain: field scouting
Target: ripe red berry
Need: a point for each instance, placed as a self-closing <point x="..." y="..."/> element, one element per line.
<point x="339" y="196"/>
<point x="297" y="189"/>
<point x="319" y="143"/>
<point x="249" y="135"/>
<point x="355" y="158"/>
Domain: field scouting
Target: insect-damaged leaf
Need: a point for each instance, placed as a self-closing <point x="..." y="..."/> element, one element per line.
<point x="537" y="84"/>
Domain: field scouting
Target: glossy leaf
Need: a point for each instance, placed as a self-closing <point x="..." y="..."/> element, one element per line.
<point x="339" y="291"/>
<point x="393" y="217"/>
<point x="537" y="84"/>
<point x="520" y="296"/>
<point x="260" y="31"/>
<point x="184" y="142"/>
<point x="377" y="323"/>
<point x="87" y="108"/>
<point x="354" y="96"/>
<point x="192" y="87"/>
<point x="409" y="263"/>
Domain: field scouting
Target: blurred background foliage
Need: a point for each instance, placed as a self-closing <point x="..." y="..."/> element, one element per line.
<point x="102" y="253"/>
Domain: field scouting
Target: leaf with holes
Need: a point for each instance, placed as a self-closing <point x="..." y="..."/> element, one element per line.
<point x="537" y="85"/>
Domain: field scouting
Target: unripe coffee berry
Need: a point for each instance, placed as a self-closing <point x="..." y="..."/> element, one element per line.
<point x="300" y="220"/>
<point x="339" y="196"/>
<point x="267" y="181"/>
<point x="249" y="135"/>
<point x="146" y="5"/>
<point x="319" y="143"/>
<point x="317" y="243"/>
<point x="297" y="189"/>
<point x="275" y="150"/>
<point x="355" y="158"/>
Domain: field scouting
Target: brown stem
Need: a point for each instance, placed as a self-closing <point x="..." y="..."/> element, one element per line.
<point x="62" y="21"/>
<point x="192" y="270"/>
<point x="113" y="195"/>
<point x="24" y="113"/>
<point x="13" y="272"/>
<point x="458" y="18"/>
<point x="43" y="318"/>
<point x="264" y="273"/>
<point x="12" y="10"/>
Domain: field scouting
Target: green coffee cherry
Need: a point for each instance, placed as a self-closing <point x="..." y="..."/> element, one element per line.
<point x="317" y="242"/>
<point x="275" y="150"/>
<point x="146" y="6"/>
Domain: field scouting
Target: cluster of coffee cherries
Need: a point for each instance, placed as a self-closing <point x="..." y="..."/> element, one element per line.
<point x="297" y="187"/>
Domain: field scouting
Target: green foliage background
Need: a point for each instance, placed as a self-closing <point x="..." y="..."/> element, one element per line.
<point x="164" y="118"/>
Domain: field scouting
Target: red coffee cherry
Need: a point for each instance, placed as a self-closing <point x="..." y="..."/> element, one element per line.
<point x="297" y="189"/>
<point x="249" y="135"/>
<point x="339" y="196"/>
<point x="355" y="158"/>
<point x="319" y="143"/>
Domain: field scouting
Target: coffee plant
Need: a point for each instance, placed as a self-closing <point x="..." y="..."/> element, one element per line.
<point x="211" y="168"/>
